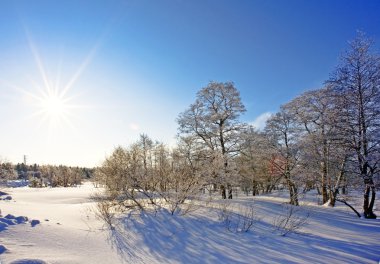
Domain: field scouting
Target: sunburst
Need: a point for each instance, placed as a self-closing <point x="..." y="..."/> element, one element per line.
<point x="51" y="100"/>
<point x="53" y="109"/>
<point x="54" y="105"/>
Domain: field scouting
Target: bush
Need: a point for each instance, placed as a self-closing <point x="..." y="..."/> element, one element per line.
<point x="290" y="220"/>
<point x="237" y="220"/>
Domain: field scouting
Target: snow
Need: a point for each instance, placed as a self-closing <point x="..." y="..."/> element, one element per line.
<point x="66" y="233"/>
<point x="69" y="232"/>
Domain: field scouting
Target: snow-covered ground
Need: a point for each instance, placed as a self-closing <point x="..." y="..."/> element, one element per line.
<point x="70" y="233"/>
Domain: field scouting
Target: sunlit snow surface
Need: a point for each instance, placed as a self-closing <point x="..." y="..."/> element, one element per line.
<point x="70" y="233"/>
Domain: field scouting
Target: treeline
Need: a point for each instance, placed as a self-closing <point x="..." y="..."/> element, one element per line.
<point x="45" y="175"/>
<point x="326" y="139"/>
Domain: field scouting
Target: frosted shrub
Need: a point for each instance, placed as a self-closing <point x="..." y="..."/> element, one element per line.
<point x="290" y="220"/>
<point x="237" y="220"/>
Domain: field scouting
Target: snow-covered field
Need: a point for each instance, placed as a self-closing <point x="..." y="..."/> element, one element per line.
<point x="70" y="233"/>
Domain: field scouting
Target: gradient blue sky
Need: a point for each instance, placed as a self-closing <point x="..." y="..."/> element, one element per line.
<point x="131" y="67"/>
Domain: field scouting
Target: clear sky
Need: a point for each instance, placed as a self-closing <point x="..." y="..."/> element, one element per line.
<point x="78" y="78"/>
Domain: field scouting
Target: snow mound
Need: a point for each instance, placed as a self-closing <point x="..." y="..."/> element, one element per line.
<point x="21" y="219"/>
<point x="16" y="219"/>
<point x="5" y="196"/>
<point x="35" y="222"/>
<point x="3" y="226"/>
<point x="8" y="221"/>
<point x="28" y="261"/>
<point x="2" y="249"/>
<point x="13" y="220"/>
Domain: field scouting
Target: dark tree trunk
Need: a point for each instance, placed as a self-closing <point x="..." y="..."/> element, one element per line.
<point x="318" y="191"/>
<point x="254" y="188"/>
<point x="325" y="177"/>
<point x="333" y="198"/>
<point x="229" y="192"/>
<point x="223" y="191"/>
<point x="324" y="190"/>
<point x="344" y="184"/>
<point x="344" y="189"/>
<point x="293" y="193"/>
<point x="368" y="205"/>
<point x="294" y="198"/>
<point x="373" y="197"/>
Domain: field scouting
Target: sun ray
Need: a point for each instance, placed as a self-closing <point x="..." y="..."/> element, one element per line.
<point x="53" y="104"/>
<point x="81" y="69"/>
<point x="51" y="97"/>
<point x="38" y="60"/>
<point x="88" y="59"/>
<point x="58" y="74"/>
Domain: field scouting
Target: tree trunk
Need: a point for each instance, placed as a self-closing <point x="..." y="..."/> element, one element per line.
<point x="344" y="187"/>
<point x="223" y="191"/>
<point x="372" y="200"/>
<point x="334" y="194"/>
<point x="324" y="164"/>
<point x="292" y="190"/>
<point x="323" y="183"/>
<point x="254" y="188"/>
<point x="319" y="191"/>
<point x="294" y="198"/>
<point x="229" y="188"/>
<point x="367" y="205"/>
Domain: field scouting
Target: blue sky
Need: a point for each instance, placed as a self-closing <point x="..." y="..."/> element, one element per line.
<point x="130" y="67"/>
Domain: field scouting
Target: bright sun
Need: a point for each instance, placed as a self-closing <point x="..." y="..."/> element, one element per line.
<point x="51" y="96"/>
<point x="53" y="105"/>
<point x="53" y="108"/>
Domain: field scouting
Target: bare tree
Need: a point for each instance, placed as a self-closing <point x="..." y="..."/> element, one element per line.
<point x="148" y="175"/>
<point x="356" y="83"/>
<point x="283" y="135"/>
<point x="255" y="163"/>
<point x="322" y="153"/>
<point x="213" y="120"/>
<point x="311" y="110"/>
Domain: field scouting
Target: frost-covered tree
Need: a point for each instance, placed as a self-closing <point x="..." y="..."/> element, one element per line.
<point x="56" y="176"/>
<point x="356" y="84"/>
<point x="283" y="134"/>
<point x="7" y="171"/>
<point x="255" y="163"/>
<point x="316" y="114"/>
<point x="150" y="175"/>
<point x="214" y="120"/>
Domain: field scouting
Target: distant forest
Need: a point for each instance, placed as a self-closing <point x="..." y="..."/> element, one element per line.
<point x="45" y="175"/>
